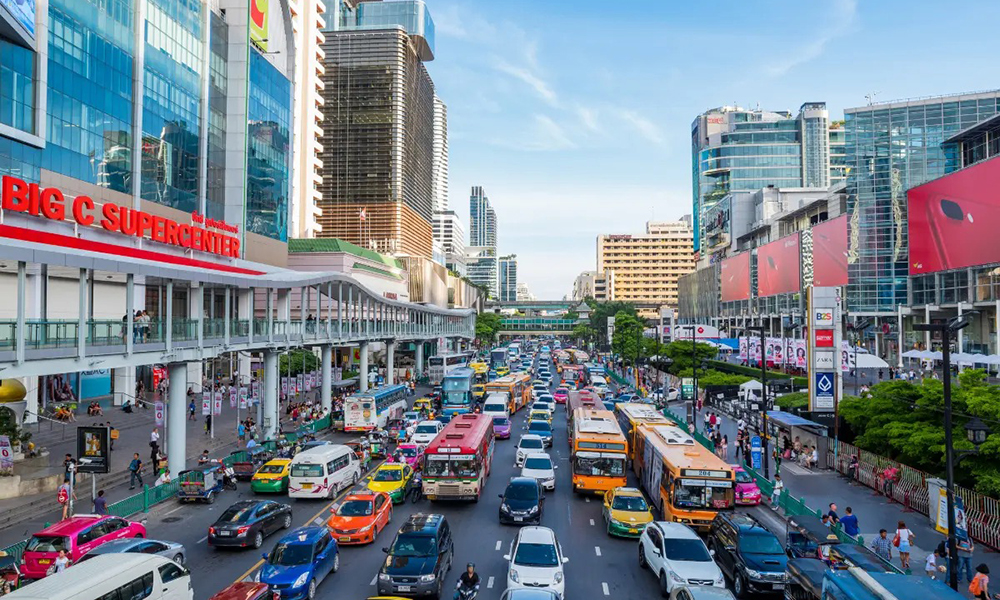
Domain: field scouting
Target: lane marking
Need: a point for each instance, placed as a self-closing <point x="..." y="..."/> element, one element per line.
<point x="597" y="550"/>
<point x="173" y="511"/>
<point x="374" y="579"/>
<point x="489" y="583"/>
<point x="587" y="499"/>
<point x="604" y="586"/>
<point x="591" y="522"/>
<point x="202" y="539"/>
<point x="498" y="545"/>
<point x="318" y="521"/>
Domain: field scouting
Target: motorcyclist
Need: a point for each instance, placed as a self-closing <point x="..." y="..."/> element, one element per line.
<point x="468" y="583"/>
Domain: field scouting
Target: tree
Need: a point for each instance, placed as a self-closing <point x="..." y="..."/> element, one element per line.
<point x="584" y="332"/>
<point x="295" y="362"/>
<point x="627" y="339"/>
<point x="679" y="352"/>
<point x="487" y="327"/>
<point x="601" y="312"/>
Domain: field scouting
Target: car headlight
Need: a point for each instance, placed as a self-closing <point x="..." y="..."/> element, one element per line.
<point x="558" y="577"/>
<point x="366" y="528"/>
<point x="753" y="574"/>
<point x="677" y="577"/>
<point x="618" y="523"/>
<point x="256" y="576"/>
<point x="384" y="577"/>
<point x="301" y="581"/>
<point x="721" y="579"/>
<point x="513" y="576"/>
<point x="504" y="507"/>
<point x="427" y="578"/>
<point x="533" y="510"/>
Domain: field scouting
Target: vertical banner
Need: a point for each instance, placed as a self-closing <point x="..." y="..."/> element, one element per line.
<point x="206" y="403"/>
<point x="244" y="394"/>
<point x="217" y="405"/>
<point x="158" y="413"/>
<point x="790" y="352"/>
<point x="338" y="374"/>
<point x="800" y="354"/>
<point x="6" y="454"/>
<point x="743" y="349"/>
<point x="256" y="391"/>
<point x="233" y="392"/>
<point x="284" y="385"/>
<point x="300" y="383"/>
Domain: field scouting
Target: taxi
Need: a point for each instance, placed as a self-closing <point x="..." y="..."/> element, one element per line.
<point x="272" y="476"/>
<point x="501" y="371"/>
<point x="360" y="517"/>
<point x="540" y="415"/>
<point x="423" y="404"/>
<point x="626" y="512"/>
<point x="561" y="395"/>
<point x="393" y="479"/>
<point x="412" y="453"/>
<point x="478" y="391"/>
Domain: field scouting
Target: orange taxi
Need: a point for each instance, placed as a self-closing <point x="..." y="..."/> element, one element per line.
<point x="360" y="517"/>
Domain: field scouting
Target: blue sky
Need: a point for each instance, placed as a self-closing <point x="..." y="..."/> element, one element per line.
<point x="576" y="116"/>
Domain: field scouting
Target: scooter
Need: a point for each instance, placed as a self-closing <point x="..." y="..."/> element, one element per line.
<point x="467" y="593"/>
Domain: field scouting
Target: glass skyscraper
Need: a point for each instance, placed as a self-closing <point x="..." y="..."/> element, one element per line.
<point x="482" y="219"/>
<point x="508" y="278"/>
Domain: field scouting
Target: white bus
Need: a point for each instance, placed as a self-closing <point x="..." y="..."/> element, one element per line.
<point x="114" y="576"/>
<point x="443" y="364"/>
<point x="373" y="409"/>
<point x="322" y="471"/>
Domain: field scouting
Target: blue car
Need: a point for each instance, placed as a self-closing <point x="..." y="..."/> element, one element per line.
<point x="542" y="429"/>
<point x="300" y="561"/>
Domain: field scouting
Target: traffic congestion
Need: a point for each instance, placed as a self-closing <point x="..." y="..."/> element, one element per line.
<point x="518" y="473"/>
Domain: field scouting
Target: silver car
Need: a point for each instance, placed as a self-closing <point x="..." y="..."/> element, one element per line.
<point x="171" y="550"/>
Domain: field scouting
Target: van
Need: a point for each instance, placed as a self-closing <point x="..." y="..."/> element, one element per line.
<point x="323" y="471"/>
<point x="119" y="576"/>
<point x="496" y="405"/>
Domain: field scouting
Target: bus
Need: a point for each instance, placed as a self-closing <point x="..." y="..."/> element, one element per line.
<point x="684" y="480"/>
<point x="631" y="415"/>
<point x="365" y="411"/>
<point x="498" y="358"/>
<point x="600" y="452"/>
<point x="580" y="399"/>
<point x="442" y="364"/>
<point x="456" y="392"/>
<point x="516" y="387"/>
<point x="514" y="350"/>
<point x="457" y="462"/>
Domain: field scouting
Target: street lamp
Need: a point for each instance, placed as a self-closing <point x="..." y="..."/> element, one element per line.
<point x="975" y="431"/>
<point x="763" y="389"/>
<point x="859" y="328"/>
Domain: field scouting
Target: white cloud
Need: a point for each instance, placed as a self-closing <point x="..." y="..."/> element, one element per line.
<point x="643" y="126"/>
<point x="544" y="135"/>
<point x="843" y="14"/>
<point x="527" y="76"/>
<point x="588" y="118"/>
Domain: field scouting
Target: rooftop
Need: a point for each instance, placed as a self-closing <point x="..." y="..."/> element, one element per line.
<point x="296" y="246"/>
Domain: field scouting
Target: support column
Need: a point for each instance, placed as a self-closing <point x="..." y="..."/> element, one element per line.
<point x="419" y="359"/>
<point x="326" y="380"/>
<point x="124" y="384"/>
<point x="177" y="418"/>
<point x="269" y="407"/>
<point x="363" y="369"/>
<point x="390" y="362"/>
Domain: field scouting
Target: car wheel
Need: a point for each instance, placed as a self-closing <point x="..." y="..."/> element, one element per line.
<point x="139" y="536"/>
<point x="179" y="559"/>
<point x="336" y="562"/>
<point x="211" y="498"/>
<point x="642" y="558"/>
<point x="258" y="540"/>
<point x="664" y="589"/>
<point x="312" y="590"/>
<point x="739" y="586"/>
<point x="287" y="522"/>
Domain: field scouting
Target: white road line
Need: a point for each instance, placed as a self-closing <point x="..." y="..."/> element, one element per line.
<point x="489" y="583"/>
<point x="173" y="511"/>
<point x="374" y="579"/>
<point x="586" y="499"/>
<point x="318" y="520"/>
<point x="604" y="586"/>
<point x="591" y="522"/>
<point x="499" y="543"/>
<point x="202" y="539"/>
<point x="597" y="550"/>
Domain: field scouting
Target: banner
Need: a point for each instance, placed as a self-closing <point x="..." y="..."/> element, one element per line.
<point x="735" y="278"/>
<point x="300" y="383"/>
<point x="778" y="267"/>
<point x="93" y="449"/>
<point x="743" y="349"/>
<point x="217" y="405"/>
<point x="830" y="252"/>
<point x="774" y="351"/>
<point x="158" y="413"/>
<point x="244" y="394"/>
<point x="206" y="403"/>
<point x="233" y="392"/>
<point x="284" y="385"/>
<point x="790" y="352"/>
<point x="848" y="356"/>
<point x="256" y="391"/>
<point x="800" y="354"/>
<point x="6" y="454"/>
<point x="961" y="521"/>
<point x="338" y="374"/>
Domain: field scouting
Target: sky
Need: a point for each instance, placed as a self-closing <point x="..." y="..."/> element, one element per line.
<point x="576" y="116"/>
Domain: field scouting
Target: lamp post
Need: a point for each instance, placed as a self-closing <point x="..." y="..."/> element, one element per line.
<point x="976" y="432"/>
<point x="763" y="389"/>
<point x="859" y="329"/>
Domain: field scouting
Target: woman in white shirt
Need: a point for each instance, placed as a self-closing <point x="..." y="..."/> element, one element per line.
<point x="905" y="540"/>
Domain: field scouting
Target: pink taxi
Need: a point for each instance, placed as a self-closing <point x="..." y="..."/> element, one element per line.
<point x="412" y="453"/>
<point x="747" y="492"/>
<point x="561" y="395"/>
<point x="76" y="535"/>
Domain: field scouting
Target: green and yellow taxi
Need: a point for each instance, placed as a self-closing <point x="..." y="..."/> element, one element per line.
<point x="422" y="404"/>
<point x="272" y="476"/>
<point x="478" y="391"/>
<point x="393" y="479"/>
<point x="540" y="415"/>
<point x="626" y="512"/>
<point x="501" y="371"/>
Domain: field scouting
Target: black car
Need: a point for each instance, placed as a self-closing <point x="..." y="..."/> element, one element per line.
<point x="419" y="558"/>
<point x="522" y="502"/>
<point x="248" y="522"/>
<point x="749" y="554"/>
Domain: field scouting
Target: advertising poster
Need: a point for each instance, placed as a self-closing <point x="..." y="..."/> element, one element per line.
<point x="775" y="353"/>
<point x="790" y="352"/>
<point x="961" y="520"/>
<point x="953" y="220"/>
<point x="6" y="454"/>
<point x="847" y="357"/>
<point x="800" y="354"/>
<point x="735" y="278"/>
<point x="778" y="267"/>
<point x="158" y="413"/>
<point x="258" y="23"/>
<point x="338" y="374"/>
<point x="299" y="383"/>
<point x="830" y="252"/>
<point x="206" y="403"/>
<point x="284" y="385"/>
<point x="233" y="392"/>
<point x="754" y="349"/>
<point x="93" y="449"/>
<point x="244" y="395"/>
<point x="217" y="405"/>
<point x="743" y="348"/>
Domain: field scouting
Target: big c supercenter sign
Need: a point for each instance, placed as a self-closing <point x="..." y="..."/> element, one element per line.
<point x="50" y="203"/>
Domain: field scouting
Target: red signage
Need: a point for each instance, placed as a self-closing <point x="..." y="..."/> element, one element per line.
<point x="20" y="196"/>
<point x="824" y="338"/>
<point x="735" y="274"/>
<point x="778" y="267"/>
<point x="830" y="253"/>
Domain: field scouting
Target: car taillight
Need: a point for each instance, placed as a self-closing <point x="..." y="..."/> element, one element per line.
<point x="325" y="481"/>
<point x="211" y="531"/>
<point x="242" y="530"/>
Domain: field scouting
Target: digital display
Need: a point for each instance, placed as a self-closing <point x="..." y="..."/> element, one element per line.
<point x="735" y="274"/>
<point x="778" y="267"/>
<point x="830" y="253"/>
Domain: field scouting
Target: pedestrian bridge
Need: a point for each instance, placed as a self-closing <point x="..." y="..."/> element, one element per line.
<point x="516" y="326"/>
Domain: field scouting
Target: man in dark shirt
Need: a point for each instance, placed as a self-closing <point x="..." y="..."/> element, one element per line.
<point x="833" y="513"/>
<point x="469" y="581"/>
<point x="850" y="523"/>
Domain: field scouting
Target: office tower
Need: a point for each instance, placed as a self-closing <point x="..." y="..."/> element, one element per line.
<point x="482" y="219"/>
<point x="646" y="267"/>
<point x="736" y="149"/>
<point x="523" y="293"/>
<point x="482" y="266"/>
<point x="448" y="229"/>
<point x="307" y="26"/>
<point x="440" y="174"/>
<point x="508" y="278"/>
<point x="378" y="128"/>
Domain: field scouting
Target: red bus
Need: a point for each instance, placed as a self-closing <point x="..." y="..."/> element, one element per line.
<point x="457" y="462"/>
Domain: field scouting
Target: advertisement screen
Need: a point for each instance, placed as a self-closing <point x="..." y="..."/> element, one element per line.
<point x="735" y="283"/>
<point x="93" y="449"/>
<point x="23" y="12"/>
<point x="778" y="267"/>
<point x="830" y="253"/>
<point x="954" y="221"/>
<point x="258" y="23"/>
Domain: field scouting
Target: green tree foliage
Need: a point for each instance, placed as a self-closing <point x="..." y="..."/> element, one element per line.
<point x="627" y="340"/>
<point x="680" y="353"/>
<point x="487" y="327"/>
<point x="793" y="401"/>
<point x="584" y="332"/>
<point x="603" y="310"/>
<point x="297" y="361"/>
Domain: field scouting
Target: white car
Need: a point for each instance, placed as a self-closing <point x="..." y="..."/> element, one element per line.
<point x="538" y="465"/>
<point x="677" y="557"/>
<point x="536" y="561"/>
<point x="528" y="444"/>
<point x="496" y="406"/>
<point x="425" y="432"/>
<point x="545" y="402"/>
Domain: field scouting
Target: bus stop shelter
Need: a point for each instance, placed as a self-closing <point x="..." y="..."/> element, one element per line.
<point x="810" y="433"/>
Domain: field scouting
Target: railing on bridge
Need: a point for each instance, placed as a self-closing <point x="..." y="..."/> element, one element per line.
<point x="536" y="324"/>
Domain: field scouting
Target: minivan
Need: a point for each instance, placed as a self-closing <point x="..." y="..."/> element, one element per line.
<point x="323" y="471"/>
<point x="496" y="405"/>
<point x="147" y="576"/>
<point x="419" y="558"/>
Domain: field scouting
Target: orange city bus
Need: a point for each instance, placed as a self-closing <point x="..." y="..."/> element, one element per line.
<point x="457" y="462"/>
<point x="517" y="387"/>
<point x="599" y="451"/>
<point x="684" y="480"/>
<point x="631" y="415"/>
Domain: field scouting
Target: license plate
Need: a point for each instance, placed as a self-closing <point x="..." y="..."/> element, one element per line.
<point x="307" y="486"/>
<point x="404" y="588"/>
<point x="345" y="538"/>
<point x="518" y="519"/>
<point x="633" y="531"/>
<point x="779" y="586"/>
<point x="224" y="533"/>
<point x="45" y="561"/>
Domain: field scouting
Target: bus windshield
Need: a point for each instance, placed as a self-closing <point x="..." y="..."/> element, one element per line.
<point x="701" y="493"/>
<point x="443" y="465"/>
<point x="601" y="466"/>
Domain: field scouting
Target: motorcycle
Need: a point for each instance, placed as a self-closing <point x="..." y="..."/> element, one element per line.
<point x="463" y="593"/>
<point x="417" y="488"/>
<point x="228" y="478"/>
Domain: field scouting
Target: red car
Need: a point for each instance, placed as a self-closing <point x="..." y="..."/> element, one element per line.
<point x="561" y="395"/>
<point x="247" y="590"/>
<point x="76" y="535"/>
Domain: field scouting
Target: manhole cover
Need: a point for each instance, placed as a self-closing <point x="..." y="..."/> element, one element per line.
<point x="171" y="519"/>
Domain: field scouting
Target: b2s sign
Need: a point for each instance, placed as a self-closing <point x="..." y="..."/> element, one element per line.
<point x="30" y="198"/>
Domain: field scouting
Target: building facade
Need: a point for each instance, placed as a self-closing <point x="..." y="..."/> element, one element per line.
<point x="439" y="182"/>
<point x="482" y="219"/>
<point x="524" y="293"/>
<point x="508" y="278"/>
<point x="449" y="232"/>
<point x="483" y="269"/>
<point x="308" y="23"/>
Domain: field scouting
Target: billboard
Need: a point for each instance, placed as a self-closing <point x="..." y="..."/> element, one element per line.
<point x="954" y="220"/>
<point x="258" y="23"/>
<point x="735" y="278"/>
<point x="93" y="449"/>
<point x="830" y="252"/>
<point x="23" y="12"/>
<point x="778" y="267"/>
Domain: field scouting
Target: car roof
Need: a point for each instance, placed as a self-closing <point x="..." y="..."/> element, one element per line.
<point x="538" y="455"/>
<point x="523" y="481"/>
<point x="677" y="530"/>
<point x="303" y="535"/>
<point x="422" y="522"/>
<point x="362" y="495"/>
<point x="247" y="503"/>
<point x="429" y="423"/>
<point x="627" y="491"/>
<point x="390" y="467"/>
<point x="71" y="525"/>
<point x="279" y="461"/>
<point x="531" y="436"/>
<point x="536" y="535"/>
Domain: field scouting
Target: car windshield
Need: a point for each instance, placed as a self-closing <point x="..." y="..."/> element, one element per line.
<point x="501" y="422"/>
<point x="271" y="469"/>
<point x="388" y="475"/>
<point x="307" y="471"/>
<point x="539" y="426"/>
<point x="408" y="452"/>
<point x="290" y="555"/>
<point x="426" y="429"/>
<point x="760" y="544"/>
<point x="236" y="514"/>
<point x="355" y="508"/>
<point x="686" y="550"/>
<point x="411" y="416"/>
<point x="538" y="464"/>
<point x="47" y="543"/>
<point x="536" y="555"/>
<point x="522" y="491"/>
<point x="530" y="443"/>
<point x="630" y="503"/>
<point x="414" y="546"/>
<point x="495" y="408"/>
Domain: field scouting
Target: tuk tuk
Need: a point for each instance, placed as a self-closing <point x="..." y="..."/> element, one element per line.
<point x="201" y="483"/>
<point x="804" y="579"/>
<point x="10" y="574"/>
<point x="337" y="420"/>
<point x="254" y="458"/>
<point x="423" y="404"/>
<point x="378" y="442"/>
<point x="845" y="556"/>
<point x="397" y="430"/>
<point x="360" y="451"/>
<point x="808" y="537"/>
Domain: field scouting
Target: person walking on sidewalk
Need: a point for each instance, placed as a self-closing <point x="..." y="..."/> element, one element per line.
<point x="903" y="541"/>
<point x="776" y="492"/>
<point x="979" y="588"/>
<point x="850" y="523"/>
<point x="100" y="504"/>
<point x="62" y="496"/>
<point x="882" y="546"/>
<point x="134" y="469"/>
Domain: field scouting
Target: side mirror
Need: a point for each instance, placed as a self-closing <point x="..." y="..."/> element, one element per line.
<point x="565" y="560"/>
<point x="264" y="555"/>
<point x="500" y="496"/>
<point x="712" y="552"/>
<point x="506" y="556"/>
<point x="385" y="550"/>
<point x="555" y="466"/>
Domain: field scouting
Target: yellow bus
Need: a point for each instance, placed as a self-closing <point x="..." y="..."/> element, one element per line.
<point x="684" y="480"/>
<point x="517" y="387"/>
<point x="599" y="451"/>
<point x="631" y="415"/>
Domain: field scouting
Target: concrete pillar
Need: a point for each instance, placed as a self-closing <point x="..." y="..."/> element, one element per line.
<point x="269" y="410"/>
<point x="177" y="418"/>
<point x="124" y="384"/>
<point x="327" y="379"/>
<point x="363" y="369"/>
<point x="419" y="359"/>
<point x="390" y="363"/>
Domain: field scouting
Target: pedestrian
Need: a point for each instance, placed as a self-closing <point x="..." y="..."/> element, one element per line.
<point x="834" y="517"/>
<point x="68" y="463"/>
<point x="100" y="504"/>
<point x="154" y="437"/>
<point x="208" y="424"/>
<point x="850" y="523"/>
<point x="241" y="431"/>
<point x="826" y="521"/>
<point x="134" y="469"/>
<point x="725" y="447"/>
<point x="965" y="549"/>
<point x="154" y="458"/>
<point x="62" y="496"/>
<point x="191" y="409"/>
<point x="882" y="546"/>
<point x="930" y="565"/>
<point x="61" y="562"/>
<point x="903" y="541"/>
<point x="980" y="586"/>
<point x="776" y="492"/>
<point x="164" y="478"/>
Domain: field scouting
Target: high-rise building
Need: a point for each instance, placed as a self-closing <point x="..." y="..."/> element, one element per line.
<point x="892" y="147"/>
<point x="449" y="231"/>
<point x="307" y="27"/>
<point x="736" y="149"/>
<point x="378" y="128"/>
<point x="508" y="278"/>
<point x="646" y="267"/>
<point x="482" y="219"/>
<point x="482" y="266"/>
<point x="439" y="182"/>
<point x="166" y="107"/>
<point x="523" y="293"/>
<point x="583" y="285"/>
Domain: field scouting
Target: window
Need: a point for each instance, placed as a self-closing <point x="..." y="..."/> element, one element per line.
<point x="170" y="572"/>
<point x="338" y="463"/>
<point x="151" y="547"/>
<point x="137" y="589"/>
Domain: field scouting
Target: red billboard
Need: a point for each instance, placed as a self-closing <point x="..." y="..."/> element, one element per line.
<point x="778" y="267"/>
<point x="830" y="252"/>
<point x="735" y="283"/>
<point x="954" y="221"/>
